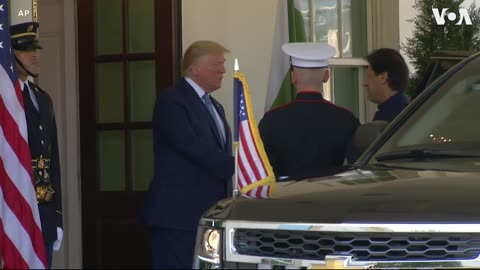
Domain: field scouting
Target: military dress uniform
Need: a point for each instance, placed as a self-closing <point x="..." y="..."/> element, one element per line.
<point x="307" y="136"/>
<point x="43" y="144"/>
<point x="42" y="136"/>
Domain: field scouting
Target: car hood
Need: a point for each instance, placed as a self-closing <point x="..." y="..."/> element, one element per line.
<point x="364" y="196"/>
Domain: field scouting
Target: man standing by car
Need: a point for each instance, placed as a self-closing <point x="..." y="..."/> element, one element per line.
<point x="193" y="156"/>
<point x="308" y="136"/>
<point x="387" y="79"/>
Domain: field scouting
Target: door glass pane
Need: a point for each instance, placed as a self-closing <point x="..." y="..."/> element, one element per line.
<point x="346" y="32"/>
<point x="325" y="21"/>
<point x="110" y="92"/>
<point x="108" y="17"/>
<point x="357" y="39"/>
<point x="142" y="159"/>
<point x="340" y="23"/>
<point x="346" y="87"/>
<point x="112" y="160"/>
<point x="142" y="88"/>
<point x="141" y="26"/>
<point x="320" y="19"/>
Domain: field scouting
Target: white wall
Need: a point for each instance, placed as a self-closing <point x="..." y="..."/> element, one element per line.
<point x="58" y="76"/>
<point x="246" y="29"/>
<point x="406" y="12"/>
<point x="52" y="80"/>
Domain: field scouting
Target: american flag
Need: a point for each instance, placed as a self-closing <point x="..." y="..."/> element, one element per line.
<point x="255" y="176"/>
<point x="21" y="241"/>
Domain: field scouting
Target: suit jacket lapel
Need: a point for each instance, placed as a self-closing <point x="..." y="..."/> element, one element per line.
<point x="203" y="109"/>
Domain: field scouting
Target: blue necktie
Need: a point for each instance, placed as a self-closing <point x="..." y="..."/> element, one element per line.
<point x="208" y="102"/>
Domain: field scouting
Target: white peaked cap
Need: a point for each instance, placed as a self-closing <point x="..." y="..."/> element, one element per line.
<point x="309" y="54"/>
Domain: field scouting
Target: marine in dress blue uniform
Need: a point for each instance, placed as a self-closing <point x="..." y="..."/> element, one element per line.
<point x="42" y="134"/>
<point x="309" y="135"/>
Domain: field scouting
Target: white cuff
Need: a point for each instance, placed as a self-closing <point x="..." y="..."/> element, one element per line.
<point x="58" y="243"/>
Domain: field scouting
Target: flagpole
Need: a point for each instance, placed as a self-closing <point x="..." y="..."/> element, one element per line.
<point x="235" y="147"/>
<point x="235" y="175"/>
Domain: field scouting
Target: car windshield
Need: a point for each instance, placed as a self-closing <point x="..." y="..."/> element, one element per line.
<point x="445" y="127"/>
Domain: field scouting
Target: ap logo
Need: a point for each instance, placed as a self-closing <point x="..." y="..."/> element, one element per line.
<point x="440" y="17"/>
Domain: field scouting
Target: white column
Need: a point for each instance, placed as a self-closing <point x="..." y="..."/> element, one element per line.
<point x="384" y="27"/>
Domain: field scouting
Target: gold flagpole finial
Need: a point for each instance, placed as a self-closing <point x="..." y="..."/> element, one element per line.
<point x="35" y="11"/>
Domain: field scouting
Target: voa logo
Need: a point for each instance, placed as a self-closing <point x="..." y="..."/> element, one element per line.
<point x="440" y="16"/>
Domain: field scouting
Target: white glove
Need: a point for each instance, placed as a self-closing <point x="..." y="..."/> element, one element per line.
<point x="58" y="243"/>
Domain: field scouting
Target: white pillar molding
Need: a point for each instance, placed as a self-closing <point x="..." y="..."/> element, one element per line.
<point x="58" y="36"/>
<point x="72" y="200"/>
<point x="384" y="29"/>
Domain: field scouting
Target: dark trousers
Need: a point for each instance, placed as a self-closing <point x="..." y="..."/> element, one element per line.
<point x="172" y="249"/>
<point x="49" y="251"/>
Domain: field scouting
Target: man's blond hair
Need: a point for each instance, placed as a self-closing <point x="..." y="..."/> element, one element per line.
<point x="198" y="49"/>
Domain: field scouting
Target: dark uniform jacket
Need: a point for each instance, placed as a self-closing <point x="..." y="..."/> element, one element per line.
<point x="43" y="143"/>
<point x="193" y="170"/>
<point x="391" y="107"/>
<point x="307" y="136"/>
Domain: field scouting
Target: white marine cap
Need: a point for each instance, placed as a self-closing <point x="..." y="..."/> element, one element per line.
<point x="309" y="54"/>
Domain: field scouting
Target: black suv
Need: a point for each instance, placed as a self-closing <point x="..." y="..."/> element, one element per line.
<point x="412" y="200"/>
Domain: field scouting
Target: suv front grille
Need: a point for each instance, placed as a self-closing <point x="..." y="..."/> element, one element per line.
<point x="366" y="246"/>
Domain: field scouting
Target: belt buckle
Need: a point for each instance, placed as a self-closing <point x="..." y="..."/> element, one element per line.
<point x="41" y="163"/>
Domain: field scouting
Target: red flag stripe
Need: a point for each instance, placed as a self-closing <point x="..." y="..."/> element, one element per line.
<point x="10" y="251"/>
<point x="250" y="163"/>
<point x="258" y="160"/>
<point x="242" y="168"/>
<point x="13" y="103"/>
<point x="23" y="221"/>
<point x="18" y="93"/>
<point x="15" y="233"/>
<point x="14" y="166"/>
<point x="244" y="173"/>
<point x="242" y="181"/>
<point x="245" y="166"/>
<point x="262" y="192"/>
<point x="252" y="145"/>
<point x="21" y="209"/>
<point x="12" y="135"/>
<point x="251" y="152"/>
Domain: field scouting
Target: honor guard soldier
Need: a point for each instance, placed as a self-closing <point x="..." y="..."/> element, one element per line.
<point x="309" y="136"/>
<point x="42" y="135"/>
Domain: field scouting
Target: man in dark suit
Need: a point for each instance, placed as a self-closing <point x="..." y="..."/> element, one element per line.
<point x="42" y="135"/>
<point x="307" y="137"/>
<point x="193" y="156"/>
<point x="387" y="79"/>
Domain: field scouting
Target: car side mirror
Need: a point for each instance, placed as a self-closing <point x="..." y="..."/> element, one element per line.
<point x="364" y="137"/>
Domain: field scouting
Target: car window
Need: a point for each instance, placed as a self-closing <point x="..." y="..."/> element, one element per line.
<point x="449" y="119"/>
